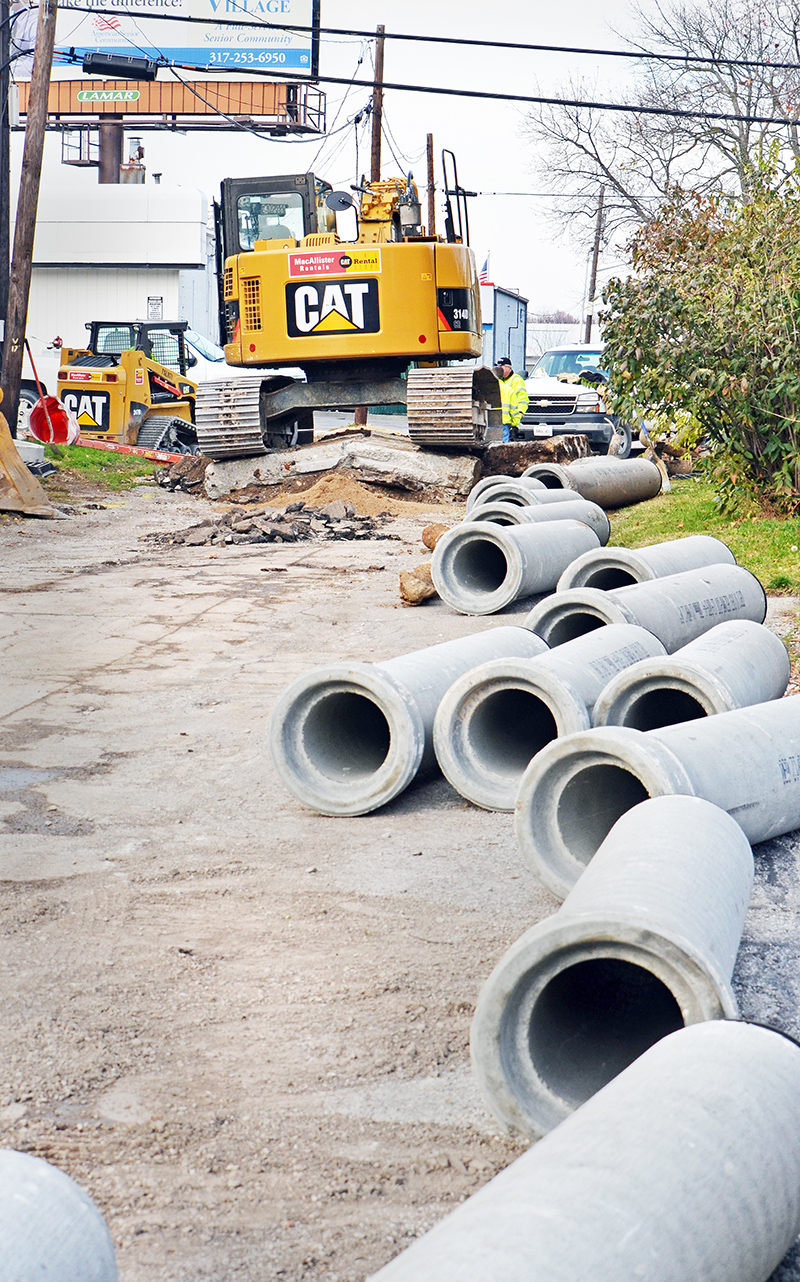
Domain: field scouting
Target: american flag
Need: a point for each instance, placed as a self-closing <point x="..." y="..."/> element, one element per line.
<point x="483" y="274"/>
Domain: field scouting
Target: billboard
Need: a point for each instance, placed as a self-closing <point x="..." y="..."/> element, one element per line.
<point x="234" y="39"/>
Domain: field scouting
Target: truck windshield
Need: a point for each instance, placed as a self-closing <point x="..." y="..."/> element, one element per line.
<point x="272" y="216"/>
<point x="204" y="346"/>
<point x="557" y="364"/>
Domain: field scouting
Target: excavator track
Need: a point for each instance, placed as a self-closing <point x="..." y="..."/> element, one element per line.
<point x="452" y="407"/>
<point x="227" y="418"/>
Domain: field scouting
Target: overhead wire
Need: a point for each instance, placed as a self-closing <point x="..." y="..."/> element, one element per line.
<point x="492" y="96"/>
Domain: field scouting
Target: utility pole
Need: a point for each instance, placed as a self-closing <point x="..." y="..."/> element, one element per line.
<point x="5" y="155"/>
<point x="20" y="280"/>
<point x="377" y="107"/>
<point x="598" y="231"/>
<point x="361" y="411"/>
<point x="431" y="190"/>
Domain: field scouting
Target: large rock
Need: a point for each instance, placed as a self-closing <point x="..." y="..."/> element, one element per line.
<point x="512" y="459"/>
<point x="397" y="467"/>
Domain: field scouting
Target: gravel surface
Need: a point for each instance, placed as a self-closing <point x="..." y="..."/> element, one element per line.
<point x="243" y="1027"/>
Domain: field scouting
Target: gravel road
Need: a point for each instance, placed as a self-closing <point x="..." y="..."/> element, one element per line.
<point x="243" y="1027"/>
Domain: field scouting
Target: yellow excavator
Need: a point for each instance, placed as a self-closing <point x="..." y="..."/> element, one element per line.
<point x="389" y="317"/>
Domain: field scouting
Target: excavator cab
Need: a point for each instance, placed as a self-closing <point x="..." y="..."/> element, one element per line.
<point x="281" y="209"/>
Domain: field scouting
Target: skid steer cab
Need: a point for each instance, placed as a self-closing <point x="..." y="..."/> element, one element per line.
<point x="129" y="385"/>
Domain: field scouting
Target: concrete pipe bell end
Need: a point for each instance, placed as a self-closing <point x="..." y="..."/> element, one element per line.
<point x="572" y="1004"/>
<point x="346" y="739"/>
<point x="574" y="792"/>
<point x="494" y="720"/>
<point x="567" y="615"/>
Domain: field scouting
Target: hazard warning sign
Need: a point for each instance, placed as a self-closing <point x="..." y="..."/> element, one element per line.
<point x="91" y="409"/>
<point x="340" y="307"/>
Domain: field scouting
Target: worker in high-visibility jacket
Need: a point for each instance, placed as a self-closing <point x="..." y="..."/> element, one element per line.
<point x="513" y="395"/>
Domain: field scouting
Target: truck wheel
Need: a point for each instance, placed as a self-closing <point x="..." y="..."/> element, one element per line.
<point x="626" y="432"/>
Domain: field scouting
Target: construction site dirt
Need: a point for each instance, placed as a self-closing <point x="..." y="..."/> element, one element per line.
<point x="241" y="1026"/>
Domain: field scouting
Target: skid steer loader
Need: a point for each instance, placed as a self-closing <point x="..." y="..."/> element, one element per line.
<point x="129" y="385"/>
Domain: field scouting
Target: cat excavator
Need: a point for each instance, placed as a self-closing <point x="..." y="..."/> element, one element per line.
<point x="389" y="317"/>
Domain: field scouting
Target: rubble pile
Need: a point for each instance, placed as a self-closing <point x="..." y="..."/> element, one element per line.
<point x="296" y="523"/>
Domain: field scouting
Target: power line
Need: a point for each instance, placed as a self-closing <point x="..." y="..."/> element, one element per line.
<point x="485" y="95"/>
<point x="458" y="40"/>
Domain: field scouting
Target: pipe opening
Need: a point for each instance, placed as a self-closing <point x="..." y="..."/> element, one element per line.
<point x="346" y="736"/>
<point x="550" y="482"/>
<point x="592" y="802"/>
<point x="479" y="565"/>
<point x="496" y="518"/>
<point x="664" y="707"/>
<point x="593" y="1020"/>
<point x="508" y="728"/>
<point x="608" y="577"/>
<point x="574" y="624"/>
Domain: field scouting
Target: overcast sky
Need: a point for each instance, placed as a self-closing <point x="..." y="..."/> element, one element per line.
<point x="486" y="136"/>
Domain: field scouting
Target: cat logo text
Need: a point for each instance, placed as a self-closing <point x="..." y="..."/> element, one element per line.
<point x="332" y="307"/>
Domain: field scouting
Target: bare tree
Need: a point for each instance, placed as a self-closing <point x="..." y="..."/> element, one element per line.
<point x="640" y="156"/>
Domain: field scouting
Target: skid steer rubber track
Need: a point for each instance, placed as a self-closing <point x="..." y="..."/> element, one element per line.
<point x="227" y="418"/>
<point x="452" y="407"/>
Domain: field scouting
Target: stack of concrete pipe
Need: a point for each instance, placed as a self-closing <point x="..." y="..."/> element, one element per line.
<point x="496" y="718"/>
<point x="611" y="482"/>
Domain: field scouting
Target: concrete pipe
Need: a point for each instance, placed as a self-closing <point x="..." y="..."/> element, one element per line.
<point x="522" y="493"/>
<point x="510" y="514"/>
<point x="481" y="568"/>
<point x="644" y="944"/>
<point x="675" y="609"/>
<point x="49" y="1228"/>
<point x="347" y="738"/>
<point x="611" y="482"/>
<point x="734" y="665"/>
<point x="746" y="762"/>
<point x="494" y="719"/>
<point x="537" y="498"/>
<point x="489" y="482"/>
<point x="618" y="567"/>
<point x="685" y="1168"/>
